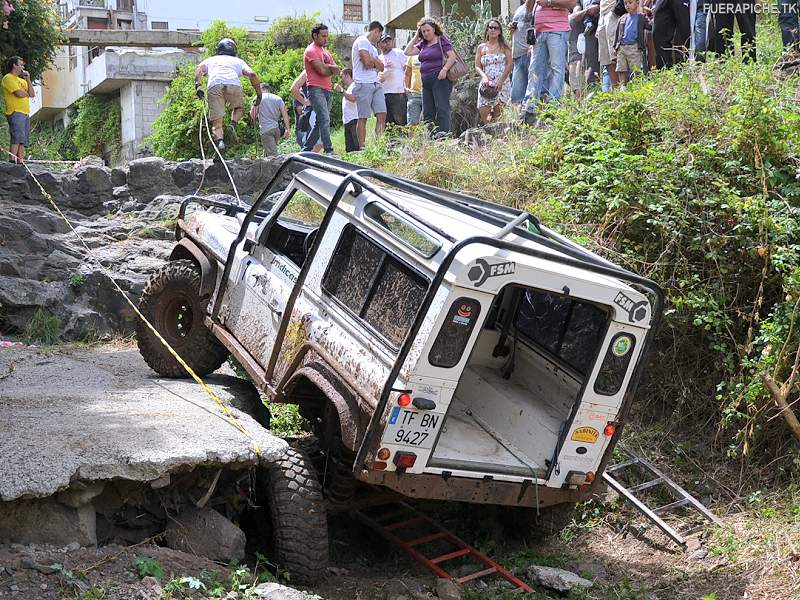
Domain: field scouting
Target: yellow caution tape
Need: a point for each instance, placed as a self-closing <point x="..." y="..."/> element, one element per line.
<point x="229" y="416"/>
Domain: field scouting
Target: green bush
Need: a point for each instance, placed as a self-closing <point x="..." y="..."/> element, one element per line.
<point x="98" y="126"/>
<point x="44" y="328"/>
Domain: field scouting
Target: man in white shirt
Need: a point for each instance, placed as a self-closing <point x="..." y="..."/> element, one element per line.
<point x="393" y="80"/>
<point x="367" y="89"/>
<point x="224" y="87"/>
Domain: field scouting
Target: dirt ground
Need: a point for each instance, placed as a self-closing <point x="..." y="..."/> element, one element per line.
<point x="625" y="560"/>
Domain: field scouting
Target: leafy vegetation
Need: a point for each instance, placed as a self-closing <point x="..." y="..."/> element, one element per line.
<point x="34" y="32"/>
<point x="97" y="126"/>
<point x="150" y="567"/>
<point x="44" y="328"/>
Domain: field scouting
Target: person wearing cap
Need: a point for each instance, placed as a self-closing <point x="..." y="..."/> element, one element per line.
<point x="393" y="81"/>
<point x="368" y="90"/>
<point x="224" y="87"/>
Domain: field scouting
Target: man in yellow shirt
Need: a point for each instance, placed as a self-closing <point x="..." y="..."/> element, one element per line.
<point x="17" y="92"/>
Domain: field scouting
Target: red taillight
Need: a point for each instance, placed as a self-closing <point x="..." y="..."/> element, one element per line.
<point x="404" y="400"/>
<point x="405" y="460"/>
<point x="379" y="466"/>
<point x="609" y="430"/>
<point x="384" y="454"/>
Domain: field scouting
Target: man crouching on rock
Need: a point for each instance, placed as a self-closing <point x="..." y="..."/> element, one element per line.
<point x="17" y="94"/>
<point x="224" y="87"/>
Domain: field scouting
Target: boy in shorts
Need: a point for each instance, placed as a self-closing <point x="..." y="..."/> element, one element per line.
<point x="629" y="42"/>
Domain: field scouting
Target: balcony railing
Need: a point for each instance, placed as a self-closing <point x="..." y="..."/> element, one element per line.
<point x="67" y="8"/>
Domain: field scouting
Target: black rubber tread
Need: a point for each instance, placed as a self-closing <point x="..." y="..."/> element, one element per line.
<point x="299" y="521"/>
<point x="548" y="522"/>
<point x="200" y="349"/>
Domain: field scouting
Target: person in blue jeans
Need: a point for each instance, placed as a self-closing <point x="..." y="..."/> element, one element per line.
<point x="789" y="21"/>
<point x="549" y="60"/>
<point x="436" y="56"/>
<point x="521" y="22"/>
<point x="320" y="67"/>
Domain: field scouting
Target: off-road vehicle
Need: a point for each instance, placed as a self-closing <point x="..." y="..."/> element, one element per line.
<point x="441" y="346"/>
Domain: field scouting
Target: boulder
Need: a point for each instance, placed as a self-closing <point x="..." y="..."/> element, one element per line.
<point x="205" y="532"/>
<point x="557" y="579"/>
<point x="447" y="589"/>
<point x="276" y="591"/>
<point x="46" y="521"/>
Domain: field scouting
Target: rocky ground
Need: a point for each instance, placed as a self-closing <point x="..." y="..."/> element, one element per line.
<point x="127" y="218"/>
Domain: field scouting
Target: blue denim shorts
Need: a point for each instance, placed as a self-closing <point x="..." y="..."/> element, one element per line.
<point x="20" y="126"/>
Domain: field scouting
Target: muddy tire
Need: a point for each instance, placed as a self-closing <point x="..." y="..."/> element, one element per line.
<point x="171" y="302"/>
<point x="549" y="522"/>
<point x="299" y="522"/>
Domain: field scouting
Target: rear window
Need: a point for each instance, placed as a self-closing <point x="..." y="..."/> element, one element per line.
<point x="375" y="286"/>
<point x="569" y="329"/>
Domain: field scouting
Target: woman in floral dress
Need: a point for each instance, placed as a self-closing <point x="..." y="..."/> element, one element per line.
<point x="493" y="63"/>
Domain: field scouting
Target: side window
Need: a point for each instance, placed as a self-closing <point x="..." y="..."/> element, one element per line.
<point x="375" y="286"/>
<point x="296" y="227"/>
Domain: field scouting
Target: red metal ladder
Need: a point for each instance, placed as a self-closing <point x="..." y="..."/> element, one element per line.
<point x="391" y="523"/>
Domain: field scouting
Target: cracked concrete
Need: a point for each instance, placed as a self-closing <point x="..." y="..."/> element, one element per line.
<point x="86" y="414"/>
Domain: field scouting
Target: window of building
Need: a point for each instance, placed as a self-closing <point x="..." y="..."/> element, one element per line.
<point x="124" y="24"/>
<point x="126" y="5"/>
<point x="354" y="10"/>
<point x="375" y="286"/>
<point x="161" y="25"/>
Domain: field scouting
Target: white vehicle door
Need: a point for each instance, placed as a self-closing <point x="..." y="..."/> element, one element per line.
<point x="259" y="289"/>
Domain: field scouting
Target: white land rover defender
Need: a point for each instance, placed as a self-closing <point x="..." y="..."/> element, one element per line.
<point x="441" y="346"/>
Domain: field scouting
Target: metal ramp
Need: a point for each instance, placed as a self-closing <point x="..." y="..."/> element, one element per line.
<point x="390" y="520"/>
<point x="681" y="498"/>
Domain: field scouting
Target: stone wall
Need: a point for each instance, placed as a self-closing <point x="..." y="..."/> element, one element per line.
<point x="125" y="215"/>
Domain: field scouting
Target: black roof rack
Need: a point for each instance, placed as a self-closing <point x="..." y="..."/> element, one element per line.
<point x="495" y="214"/>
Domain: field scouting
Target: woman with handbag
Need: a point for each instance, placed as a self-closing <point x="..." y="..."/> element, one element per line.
<point x="493" y="64"/>
<point x="437" y="58"/>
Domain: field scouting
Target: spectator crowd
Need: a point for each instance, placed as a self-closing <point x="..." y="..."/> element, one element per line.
<point x="554" y="45"/>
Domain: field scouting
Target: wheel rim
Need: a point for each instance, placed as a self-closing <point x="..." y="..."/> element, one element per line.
<point x="178" y="319"/>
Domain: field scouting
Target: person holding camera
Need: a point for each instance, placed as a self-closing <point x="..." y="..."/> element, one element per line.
<point x="436" y="56"/>
<point x="549" y="59"/>
<point x="520" y="23"/>
<point x="17" y="94"/>
<point x="493" y="64"/>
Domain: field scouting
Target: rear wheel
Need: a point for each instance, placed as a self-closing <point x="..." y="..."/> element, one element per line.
<point x="171" y="302"/>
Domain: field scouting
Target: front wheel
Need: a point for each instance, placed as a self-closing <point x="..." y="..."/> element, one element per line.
<point x="299" y="524"/>
<point x="171" y="302"/>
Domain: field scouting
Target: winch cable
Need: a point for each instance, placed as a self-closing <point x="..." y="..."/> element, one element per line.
<point x="228" y="417"/>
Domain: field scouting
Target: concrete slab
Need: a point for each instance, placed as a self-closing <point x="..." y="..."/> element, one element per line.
<point x="100" y="413"/>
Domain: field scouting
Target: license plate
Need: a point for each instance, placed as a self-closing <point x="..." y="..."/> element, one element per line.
<point x="411" y="427"/>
